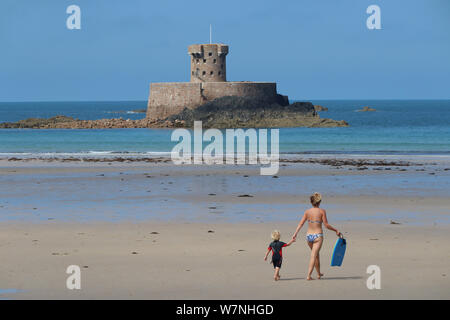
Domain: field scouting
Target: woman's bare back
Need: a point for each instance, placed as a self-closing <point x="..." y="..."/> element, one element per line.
<point x="314" y="217"/>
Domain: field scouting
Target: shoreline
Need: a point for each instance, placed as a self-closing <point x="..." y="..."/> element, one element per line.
<point x="308" y="157"/>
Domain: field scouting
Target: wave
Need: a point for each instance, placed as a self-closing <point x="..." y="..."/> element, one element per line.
<point x="126" y="112"/>
<point x="90" y="154"/>
<point x="377" y="152"/>
<point x="102" y="154"/>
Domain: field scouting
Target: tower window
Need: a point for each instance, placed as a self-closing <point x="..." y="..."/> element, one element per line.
<point x="197" y="61"/>
<point x="211" y="73"/>
<point x="204" y="60"/>
<point x="204" y="72"/>
<point x="220" y="72"/>
<point x="215" y="60"/>
<point x="210" y="54"/>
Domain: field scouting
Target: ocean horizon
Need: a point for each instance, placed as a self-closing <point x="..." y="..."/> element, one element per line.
<point x="397" y="127"/>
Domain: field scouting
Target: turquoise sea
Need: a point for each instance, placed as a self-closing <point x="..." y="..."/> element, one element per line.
<point x="403" y="127"/>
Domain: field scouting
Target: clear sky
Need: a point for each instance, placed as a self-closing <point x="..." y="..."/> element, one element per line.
<point x="313" y="49"/>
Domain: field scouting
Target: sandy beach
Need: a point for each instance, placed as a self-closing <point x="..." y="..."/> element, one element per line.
<point x="188" y="261"/>
<point x="158" y="231"/>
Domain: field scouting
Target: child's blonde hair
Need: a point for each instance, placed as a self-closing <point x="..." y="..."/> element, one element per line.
<point x="315" y="199"/>
<point x="276" y="235"/>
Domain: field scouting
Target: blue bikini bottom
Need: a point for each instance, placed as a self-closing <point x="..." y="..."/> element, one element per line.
<point x="312" y="237"/>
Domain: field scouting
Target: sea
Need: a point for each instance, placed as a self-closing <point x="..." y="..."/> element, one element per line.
<point x="397" y="127"/>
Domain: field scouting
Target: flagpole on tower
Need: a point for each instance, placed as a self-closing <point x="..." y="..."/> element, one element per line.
<point x="210" y="34"/>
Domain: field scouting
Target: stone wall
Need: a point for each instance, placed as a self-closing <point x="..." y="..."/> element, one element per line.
<point x="266" y="90"/>
<point x="170" y="98"/>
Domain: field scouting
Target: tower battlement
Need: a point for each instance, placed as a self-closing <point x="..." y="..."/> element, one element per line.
<point x="208" y="62"/>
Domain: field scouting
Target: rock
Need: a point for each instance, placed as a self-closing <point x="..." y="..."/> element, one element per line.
<point x="250" y="112"/>
<point x="366" y="109"/>
<point x="37" y="122"/>
<point x="320" y="108"/>
<point x="224" y="112"/>
<point x="282" y="100"/>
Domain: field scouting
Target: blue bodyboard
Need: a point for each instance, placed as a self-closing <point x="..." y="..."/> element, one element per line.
<point x="338" y="252"/>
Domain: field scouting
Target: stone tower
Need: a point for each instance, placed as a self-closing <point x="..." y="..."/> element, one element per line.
<point x="208" y="82"/>
<point x="208" y="62"/>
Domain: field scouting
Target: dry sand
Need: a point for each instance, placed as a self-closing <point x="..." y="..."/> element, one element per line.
<point x="186" y="261"/>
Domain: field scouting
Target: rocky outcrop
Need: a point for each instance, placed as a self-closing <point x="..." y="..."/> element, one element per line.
<point x="245" y="112"/>
<point x="366" y="109"/>
<point x="320" y="108"/>
<point x="224" y="112"/>
<point x="63" y="122"/>
<point x="37" y="122"/>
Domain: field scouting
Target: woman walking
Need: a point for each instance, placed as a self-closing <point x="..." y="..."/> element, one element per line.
<point x="314" y="235"/>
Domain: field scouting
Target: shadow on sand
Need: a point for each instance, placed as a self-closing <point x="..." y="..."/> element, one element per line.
<point x="287" y="279"/>
<point x="341" y="278"/>
<point x="324" y="278"/>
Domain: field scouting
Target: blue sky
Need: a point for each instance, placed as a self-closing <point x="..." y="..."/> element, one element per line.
<point x="317" y="49"/>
